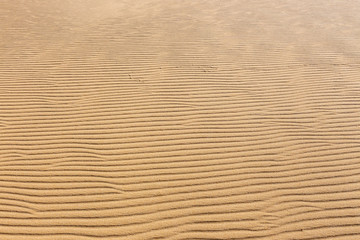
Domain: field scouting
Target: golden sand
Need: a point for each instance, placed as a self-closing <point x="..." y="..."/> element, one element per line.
<point x="188" y="119"/>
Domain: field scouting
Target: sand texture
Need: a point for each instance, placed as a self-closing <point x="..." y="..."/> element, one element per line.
<point x="184" y="119"/>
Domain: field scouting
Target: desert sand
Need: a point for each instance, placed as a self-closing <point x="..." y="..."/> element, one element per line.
<point x="155" y="119"/>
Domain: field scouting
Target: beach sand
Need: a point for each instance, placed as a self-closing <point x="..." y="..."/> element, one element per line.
<point x="154" y="119"/>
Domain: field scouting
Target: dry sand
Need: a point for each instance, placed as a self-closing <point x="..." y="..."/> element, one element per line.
<point x="185" y="119"/>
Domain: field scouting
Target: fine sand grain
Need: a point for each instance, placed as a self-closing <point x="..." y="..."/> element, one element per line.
<point x="187" y="119"/>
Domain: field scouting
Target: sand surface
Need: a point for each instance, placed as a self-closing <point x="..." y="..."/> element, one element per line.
<point x="187" y="119"/>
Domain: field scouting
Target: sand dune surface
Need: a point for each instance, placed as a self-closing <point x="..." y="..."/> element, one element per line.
<point x="154" y="119"/>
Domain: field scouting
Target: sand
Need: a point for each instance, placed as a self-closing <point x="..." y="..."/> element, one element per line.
<point x="154" y="119"/>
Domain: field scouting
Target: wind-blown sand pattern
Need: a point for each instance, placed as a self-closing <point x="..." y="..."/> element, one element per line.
<point x="154" y="119"/>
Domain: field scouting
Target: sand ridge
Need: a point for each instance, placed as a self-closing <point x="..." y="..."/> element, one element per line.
<point x="185" y="120"/>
